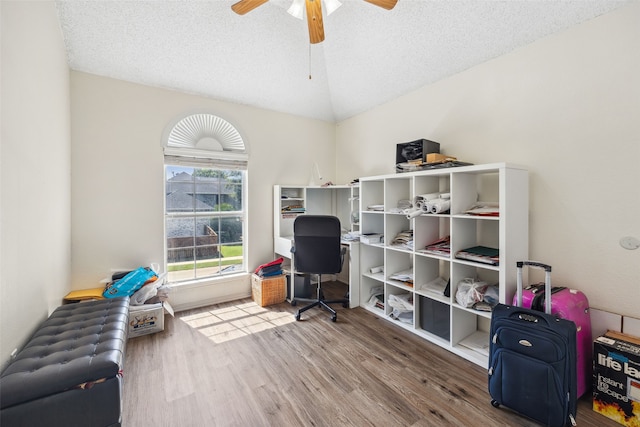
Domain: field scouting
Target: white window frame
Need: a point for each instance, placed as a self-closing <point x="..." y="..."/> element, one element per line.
<point x="206" y="141"/>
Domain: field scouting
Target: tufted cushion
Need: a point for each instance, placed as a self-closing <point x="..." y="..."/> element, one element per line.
<point x="78" y="343"/>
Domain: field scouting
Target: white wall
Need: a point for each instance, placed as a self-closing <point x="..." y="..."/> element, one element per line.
<point x="567" y="107"/>
<point x="117" y="176"/>
<point x="35" y="162"/>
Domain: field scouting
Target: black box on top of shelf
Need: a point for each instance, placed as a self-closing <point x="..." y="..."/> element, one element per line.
<point x="411" y="155"/>
<point x="434" y="317"/>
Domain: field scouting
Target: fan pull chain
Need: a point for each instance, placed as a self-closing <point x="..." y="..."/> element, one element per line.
<point x="309" y="61"/>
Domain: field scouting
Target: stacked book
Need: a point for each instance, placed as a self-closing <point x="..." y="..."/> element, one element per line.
<point x="293" y="208"/>
<point x="377" y="301"/>
<point x="441" y="247"/>
<point x="484" y="209"/>
<point x="404" y="239"/>
<point x="405" y="276"/>
<point x="372" y="238"/>
<point x="481" y="254"/>
<point x="273" y="268"/>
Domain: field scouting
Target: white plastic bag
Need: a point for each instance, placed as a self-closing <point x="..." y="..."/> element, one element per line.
<point x="148" y="291"/>
<point x="401" y="302"/>
<point x="402" y="307"/>
<point x="470" y="291"/>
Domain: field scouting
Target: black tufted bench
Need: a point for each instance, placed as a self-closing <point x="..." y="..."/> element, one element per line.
<point x="70" y="371"/>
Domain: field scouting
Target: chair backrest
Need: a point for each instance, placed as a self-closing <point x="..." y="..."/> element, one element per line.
<point x="316" y="244"/>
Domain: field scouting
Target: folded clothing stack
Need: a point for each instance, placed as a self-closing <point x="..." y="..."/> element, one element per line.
<point x="273" y="268"/>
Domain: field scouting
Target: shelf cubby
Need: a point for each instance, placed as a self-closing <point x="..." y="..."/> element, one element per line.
<point x="394" y="225"/>
<point x="434" y="317"/>
<point x="371" y="193"/>
<point x="401" y="292"/>
<point x="460" y="272"/>
<point x="429" y="228"/>
<point x="428" y="269"/>
<point x="372" y="256"/>
<point x="368" y="287"/>
<point x="396" y="189"/>
<point x="469" y="331"/>
<point x="397" y="262"/>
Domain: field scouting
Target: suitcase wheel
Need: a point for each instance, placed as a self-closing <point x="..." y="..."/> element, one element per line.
<point x="495" y="403"/>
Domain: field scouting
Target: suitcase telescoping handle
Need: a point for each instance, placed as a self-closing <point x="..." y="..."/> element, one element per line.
<point x="547" y="282"/>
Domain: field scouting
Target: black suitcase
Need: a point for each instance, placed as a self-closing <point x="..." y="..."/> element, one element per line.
<point x="532" y="360"/>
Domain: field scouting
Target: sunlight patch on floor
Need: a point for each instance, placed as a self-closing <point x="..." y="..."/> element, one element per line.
<point x="228" y="323"/>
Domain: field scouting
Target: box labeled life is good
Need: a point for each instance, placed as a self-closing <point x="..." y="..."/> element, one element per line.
<point x="616" y="378"/>
<point x="147" y="318"/>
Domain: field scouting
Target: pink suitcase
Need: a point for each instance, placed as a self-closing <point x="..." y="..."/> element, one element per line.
<point x="572" y="305"/>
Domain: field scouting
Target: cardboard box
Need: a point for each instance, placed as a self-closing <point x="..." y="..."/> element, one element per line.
<point x="438" y="158"/>
<point x="616" y="378"/>
<point x="268" y="290"/>
<point x="147" y="318"/>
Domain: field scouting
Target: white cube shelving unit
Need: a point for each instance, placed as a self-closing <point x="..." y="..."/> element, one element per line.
<point x="436" y="317"/>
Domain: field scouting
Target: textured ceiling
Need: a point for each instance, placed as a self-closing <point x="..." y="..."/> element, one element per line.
<point x="263" y="59"/>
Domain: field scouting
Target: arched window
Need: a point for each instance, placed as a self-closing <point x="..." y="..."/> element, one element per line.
<point x="205" y="161"/>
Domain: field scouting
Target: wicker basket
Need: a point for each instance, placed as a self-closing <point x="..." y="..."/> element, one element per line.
<point x="268" y="290"/>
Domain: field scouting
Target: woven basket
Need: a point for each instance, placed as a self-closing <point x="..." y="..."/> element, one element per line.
<point x="268" y="290"/>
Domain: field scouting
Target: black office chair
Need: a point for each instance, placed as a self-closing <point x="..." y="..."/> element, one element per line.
<point x="317" y="250"/>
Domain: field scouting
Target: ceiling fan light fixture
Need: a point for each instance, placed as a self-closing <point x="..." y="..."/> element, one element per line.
<point x="331" y="6"/>
<point x="297" y="9"/>
<point x="313" y="10"/>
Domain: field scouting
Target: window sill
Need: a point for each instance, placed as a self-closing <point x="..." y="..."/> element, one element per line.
<point x="221" y="280"/>
<point x="203" y="292"/>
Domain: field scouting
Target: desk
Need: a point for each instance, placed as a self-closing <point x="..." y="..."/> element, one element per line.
<point x="350" y="273"/>
<point x="340" y="201"/>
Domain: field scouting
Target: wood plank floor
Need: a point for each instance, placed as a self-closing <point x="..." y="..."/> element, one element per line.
<point x="239" y="364"/>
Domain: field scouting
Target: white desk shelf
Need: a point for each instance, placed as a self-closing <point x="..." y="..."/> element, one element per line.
<point x="337" y="200"/>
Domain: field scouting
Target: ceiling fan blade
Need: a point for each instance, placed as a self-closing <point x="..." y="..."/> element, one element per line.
<point x="385" y="4"/>
<point x="314" y="21"/>
<point x="245" y="6"/>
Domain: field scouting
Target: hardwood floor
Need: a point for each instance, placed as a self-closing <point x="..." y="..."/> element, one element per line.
<point x="239" y="364"/>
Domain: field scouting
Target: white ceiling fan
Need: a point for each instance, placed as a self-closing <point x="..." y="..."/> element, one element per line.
<point x="314" y="12"/>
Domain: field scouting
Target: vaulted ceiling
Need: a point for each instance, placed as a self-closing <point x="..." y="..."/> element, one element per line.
<point x="264" y="58"/>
